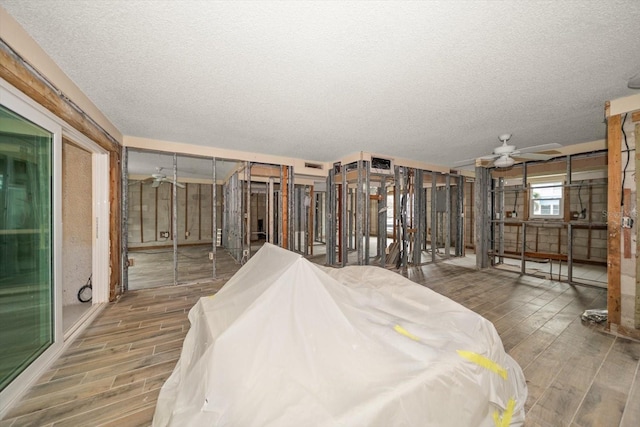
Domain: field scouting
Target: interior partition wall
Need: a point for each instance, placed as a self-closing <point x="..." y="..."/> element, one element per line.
<point x="171" y="218"/>
<point x="406" y="216"/>
<point x="549" y="218"/>
<point x="180" y="211"/>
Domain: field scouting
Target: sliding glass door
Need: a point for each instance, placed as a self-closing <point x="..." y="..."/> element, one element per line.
<point x="26" y="244"/>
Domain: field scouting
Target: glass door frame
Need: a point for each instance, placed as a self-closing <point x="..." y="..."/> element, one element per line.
<point x="21" y="104"/>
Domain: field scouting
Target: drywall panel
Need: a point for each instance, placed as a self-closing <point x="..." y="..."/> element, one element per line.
<point x="76" y="221"/>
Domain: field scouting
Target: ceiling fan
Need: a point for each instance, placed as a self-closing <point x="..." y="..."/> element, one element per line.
<point x="504" y="155"/>
<point x="158" y="178"/>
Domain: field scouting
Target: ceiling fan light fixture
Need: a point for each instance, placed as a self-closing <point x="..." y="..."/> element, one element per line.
<point x="634" y="82"/>
<point x="503" y="162"/>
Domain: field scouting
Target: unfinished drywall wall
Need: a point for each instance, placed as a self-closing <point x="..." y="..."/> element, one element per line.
<point x="77" y="207"/>
<point x="550" y="235"/>
<point x="150" y="220"/>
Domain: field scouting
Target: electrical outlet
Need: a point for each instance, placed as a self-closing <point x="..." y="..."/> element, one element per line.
<point x="164" y="234"/>
<point x="210" y="256"/>
<point x="187" y="233"/>
<point x="627" y="222"/>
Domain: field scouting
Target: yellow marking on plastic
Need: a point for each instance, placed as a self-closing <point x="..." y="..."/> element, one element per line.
<point x="402" y="331"/>
<point x="485" y="362"/>
<point x="506" y="415"/>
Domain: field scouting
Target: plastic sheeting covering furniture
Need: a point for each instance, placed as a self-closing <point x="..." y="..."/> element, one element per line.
<point x="289" y="343"/>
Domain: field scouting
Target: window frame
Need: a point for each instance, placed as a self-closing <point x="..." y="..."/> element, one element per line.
<point x="554" y="182"/>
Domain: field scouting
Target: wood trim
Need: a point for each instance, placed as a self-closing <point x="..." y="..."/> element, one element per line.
<point x="115" y="222"/>
<point x="24" y="80"/>
<point x="635" y="116"/>
<point x="614" y="136"/>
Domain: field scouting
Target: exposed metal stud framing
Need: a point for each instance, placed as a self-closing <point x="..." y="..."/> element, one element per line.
<point x="359" y="215"/>
<point x="460" y="217"/>
<point x="382" y="222"/>
<point x="175" y="219"/>
<point x="500" y="209"/>
<point x="330" y="219"/>
<point x="247" y="222"/>
<point x="305" y="216"/>
<point x="232" y="219"/>
<point x="419" y="215"/>
<point x="523" y="239"/>
<point x="290" y="188"/>
<point x="482" y="203"/>
<point x="569" y="230"/>
<point x="124" y="237"/>
<point x="447" y="216"/>
<point x="214" y="217"/>
<point x="367" y="210"/>
<point x="281" y="233"/>
<point x="403" y="216"/>
<point x="343" y="217"/>
<point x="270" y="210"/>
<point x="350" y="215"/>
<point x="434" y="217"/>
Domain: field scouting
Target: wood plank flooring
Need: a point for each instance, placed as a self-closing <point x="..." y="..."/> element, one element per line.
<point x="577" y="375"/>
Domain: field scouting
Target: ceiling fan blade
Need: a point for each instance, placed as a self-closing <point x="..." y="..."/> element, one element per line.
<point x="543" y="147"/>
<point x="465" y="162"/>
<point x="177" y="184"/>
<point x="490" y="157"/>
<point x="534" y="156"/>
<point x="156" y="183"/>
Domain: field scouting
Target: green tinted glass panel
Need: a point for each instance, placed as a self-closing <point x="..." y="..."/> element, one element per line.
<point x="26" y="279"/>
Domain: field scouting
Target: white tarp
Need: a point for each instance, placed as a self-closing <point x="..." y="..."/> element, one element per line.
<point x="288" y="343"/>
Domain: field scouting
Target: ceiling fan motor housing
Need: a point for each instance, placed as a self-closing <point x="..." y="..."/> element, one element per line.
<point x="504" y="149"/>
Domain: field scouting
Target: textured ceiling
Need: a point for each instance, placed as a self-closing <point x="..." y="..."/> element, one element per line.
<point x="435" y="81"/>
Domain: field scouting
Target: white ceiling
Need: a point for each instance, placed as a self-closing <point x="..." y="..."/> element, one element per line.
<point x="435" y="81"/>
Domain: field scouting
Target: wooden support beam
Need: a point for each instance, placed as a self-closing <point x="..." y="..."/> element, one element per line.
<point x="12" y="70"/>
<point x="115" y="222"/>
<point x="614" y="212"/>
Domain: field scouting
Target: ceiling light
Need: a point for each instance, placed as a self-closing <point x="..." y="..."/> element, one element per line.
<point x="634" y="82"/>
<point x="503" y="162"/>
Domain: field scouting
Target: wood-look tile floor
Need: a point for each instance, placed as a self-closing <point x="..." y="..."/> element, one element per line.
<point x="577" y="374"/>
